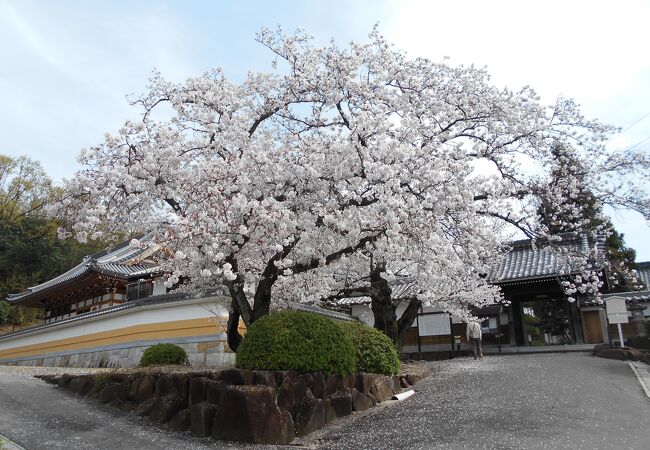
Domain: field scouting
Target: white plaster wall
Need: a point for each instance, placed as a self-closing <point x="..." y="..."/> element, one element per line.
<point x="166" y="312"/>
<point x="364" y="313"/>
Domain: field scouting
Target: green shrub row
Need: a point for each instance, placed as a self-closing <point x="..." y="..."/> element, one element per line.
<point x="375" y="351"/>
<point x="162" y="354"/>
<point x="307" y="342"/>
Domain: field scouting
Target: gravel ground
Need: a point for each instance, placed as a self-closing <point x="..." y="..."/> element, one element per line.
<point x="38" y="416"/>
<point x="553" y="401"/>
<point x="508" y="402"/>
<point x="30" y="371"/>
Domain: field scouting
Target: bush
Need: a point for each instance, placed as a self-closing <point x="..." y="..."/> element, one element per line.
<point x="299" y="341"/>
<point x="161" y="354"/>
<point x="4" y="311"/>
<point x="376" y="353"/>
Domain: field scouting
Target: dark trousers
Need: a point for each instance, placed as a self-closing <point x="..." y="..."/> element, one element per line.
<point x="478" y="350"/>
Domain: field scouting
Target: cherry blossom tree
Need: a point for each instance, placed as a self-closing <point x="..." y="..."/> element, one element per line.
<point x="352" y="155"/>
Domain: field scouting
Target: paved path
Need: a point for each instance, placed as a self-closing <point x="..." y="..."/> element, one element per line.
<point x="36" y="415"/>
<point x="557" y="401"/>
<point x="524" y="401"/>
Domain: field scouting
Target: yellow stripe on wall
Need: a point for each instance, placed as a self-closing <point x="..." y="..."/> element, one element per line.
<point x="152" y="331"/>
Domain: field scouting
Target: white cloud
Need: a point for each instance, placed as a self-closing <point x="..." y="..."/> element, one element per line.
<point x="592" y="51"/>
<point x="65" y="72"/>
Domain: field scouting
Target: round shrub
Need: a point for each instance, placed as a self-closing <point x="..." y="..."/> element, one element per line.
<point x="161" y="354"/>
<point x="299" y="341"/>
<point x="376" y="353"/>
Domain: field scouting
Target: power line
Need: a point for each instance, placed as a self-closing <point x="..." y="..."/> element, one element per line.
<point x="637" y="144"/>
<point x="630" y="126"/>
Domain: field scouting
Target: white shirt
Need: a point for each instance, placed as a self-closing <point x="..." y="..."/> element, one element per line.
<point x="473" y="331"/>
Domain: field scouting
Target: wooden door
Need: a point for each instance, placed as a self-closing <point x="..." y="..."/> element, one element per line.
<point x="592" y="330"/>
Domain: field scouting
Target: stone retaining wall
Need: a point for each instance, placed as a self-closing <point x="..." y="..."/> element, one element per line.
<point x="238" y="405"/>
<point x="622" y="353"/>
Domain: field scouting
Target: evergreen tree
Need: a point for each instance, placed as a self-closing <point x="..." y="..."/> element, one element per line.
<point x="582" y="210"/>
<point x="4" y="311"/>
<point x="16" y="316"/>
<point x="30" y="251"/>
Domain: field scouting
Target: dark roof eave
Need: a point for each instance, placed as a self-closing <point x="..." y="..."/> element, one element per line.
<point x="37" y="295"/>
<point x="537" y="279"/>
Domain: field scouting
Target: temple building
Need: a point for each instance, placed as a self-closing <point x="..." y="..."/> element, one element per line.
<point x="536" y="311"/>
<point x="100" y="281"/>
<point x="108" y="310"/>
<point x="113" y="305"/>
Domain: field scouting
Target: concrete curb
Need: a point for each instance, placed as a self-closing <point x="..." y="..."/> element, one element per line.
<point x="7" y="444"/>
<point x="641" y="380"/>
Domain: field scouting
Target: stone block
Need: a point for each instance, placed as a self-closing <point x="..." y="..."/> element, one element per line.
<point x="341" y="401"/>
<point x="264" y="377"/>
<point x="145" y="408"/>
<point x="81" y="384"/>
<point x="365" y="382"/>
<point x="173" y="383"/>
<point x="249" y="414"/>
<point x="319" y="389"/>
<point x="214" y="390"/>
<point x="280" y="375"/>
<point x="124" y="405"/>
<point x="394" y="384"/>
<point x="309" y="381"/>
<point x="349" y="381"/>
<point x="382" y="388"/>
<point x="291" y="393"/>
<point x="599" y="347"/>
<point x="612" y="353"/>
<point x="330" y="414"/>
<point x="633" y="354"/>
<point x="64" y="380"/>
<point x="142" y="388"/>
<point x="412" y="378"/>
<point x="202" y="419"/>
<point x="359" y="401"/>
<point x="332" y="384"/>
<point x="166" y="407"/>
<point x="310" y="415"/>
<point x="181" y="421"/>
<point x="113" y="391"/>
<point x="237" y="377"/>
<point x="197" y="389"/>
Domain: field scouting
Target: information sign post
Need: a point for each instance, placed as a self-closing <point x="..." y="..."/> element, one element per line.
<point x="617" y="313"/>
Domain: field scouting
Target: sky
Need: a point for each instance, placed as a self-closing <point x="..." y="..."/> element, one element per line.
<point x="67" y="68"/>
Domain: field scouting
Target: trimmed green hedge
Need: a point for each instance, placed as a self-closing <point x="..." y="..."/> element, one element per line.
<point x="162" y="354"/>
<point x="299" y="341"/>
<point x="375" y="351"/>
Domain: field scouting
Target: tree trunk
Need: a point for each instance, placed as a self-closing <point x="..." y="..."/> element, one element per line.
<point x="407" y="319"/>
<point x="261" y="307"/>
<point x="383" y="309"/>
<point x="385" y="317"/>
<point x="232" y="328"/>
<point x="262" y="302"/>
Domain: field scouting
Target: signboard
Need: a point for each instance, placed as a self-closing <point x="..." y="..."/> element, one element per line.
<point x="434" y="325"/>
<point x="616" y="310"/>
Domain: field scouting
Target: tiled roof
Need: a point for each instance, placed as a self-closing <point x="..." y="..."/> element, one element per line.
<point x="643" y="273"/>
<point x="122" y="261"/>
<point x="317" y="310"/>
<point x="169" y="298"/>
<point x="524" y="261"/>
<point x="635" y="296"/>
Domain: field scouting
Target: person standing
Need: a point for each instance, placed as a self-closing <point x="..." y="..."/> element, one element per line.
<point x="475" y="336"/>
